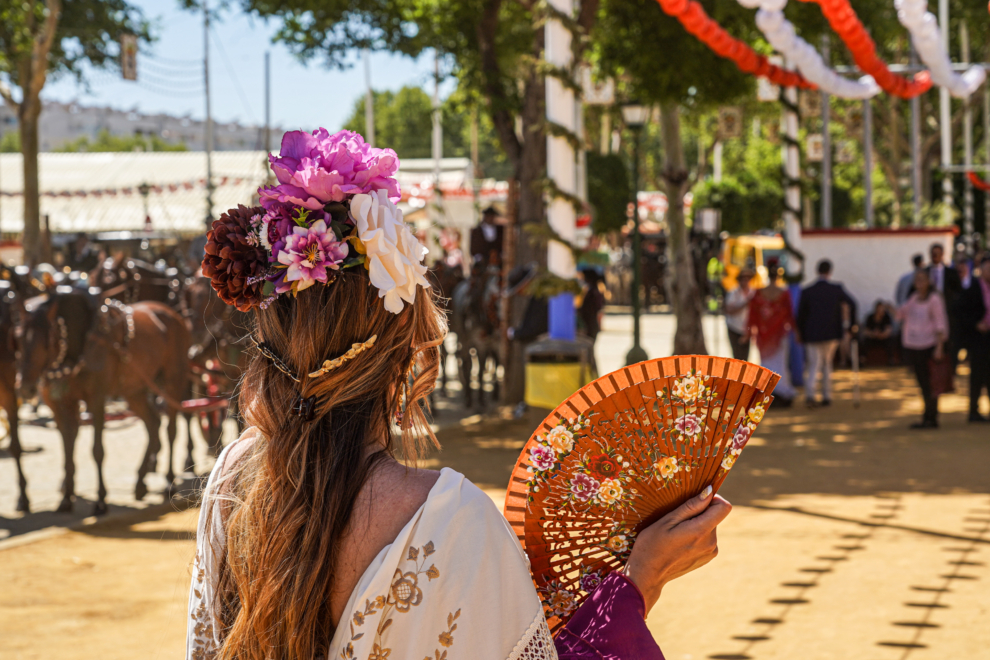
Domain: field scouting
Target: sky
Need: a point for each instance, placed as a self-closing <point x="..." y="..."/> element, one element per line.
<point x="170" y="77"/>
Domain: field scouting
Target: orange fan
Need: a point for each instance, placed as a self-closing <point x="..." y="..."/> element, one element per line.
<point x="619" y="454"/>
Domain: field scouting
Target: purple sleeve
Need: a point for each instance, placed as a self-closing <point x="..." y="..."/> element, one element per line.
<point x="609" y="625"/>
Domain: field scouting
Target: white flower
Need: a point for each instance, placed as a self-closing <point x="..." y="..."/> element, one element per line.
<point x="394" y="256"/>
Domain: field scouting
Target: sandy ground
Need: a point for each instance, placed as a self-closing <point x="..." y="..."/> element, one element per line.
<point x="851" y="537"/>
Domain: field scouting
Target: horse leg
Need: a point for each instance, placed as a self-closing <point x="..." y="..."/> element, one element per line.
<point x="97" y="413"/>
<point x="8" y="401"/>
<point x="67" y="421"/>
<point x="141" y="406"/>
<point x="172" y="421"/>
<point x="190" y="465"/>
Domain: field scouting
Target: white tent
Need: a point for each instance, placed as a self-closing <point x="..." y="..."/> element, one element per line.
<point x="98" y="192"/>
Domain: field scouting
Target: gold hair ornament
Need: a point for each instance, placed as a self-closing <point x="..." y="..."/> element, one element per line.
<point x="355" y="350"/>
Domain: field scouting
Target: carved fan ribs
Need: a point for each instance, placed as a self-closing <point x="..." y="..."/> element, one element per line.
<point x="619" y="454"/>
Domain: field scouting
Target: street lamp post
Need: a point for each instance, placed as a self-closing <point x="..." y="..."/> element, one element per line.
<point x="635" y="116"/>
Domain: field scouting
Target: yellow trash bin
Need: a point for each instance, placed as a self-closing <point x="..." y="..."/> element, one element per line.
<point x="556" y="368"/>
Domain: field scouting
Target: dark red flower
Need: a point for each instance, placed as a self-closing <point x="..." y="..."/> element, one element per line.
<point x="603" y="466"/>
<point x="231" y="260"/>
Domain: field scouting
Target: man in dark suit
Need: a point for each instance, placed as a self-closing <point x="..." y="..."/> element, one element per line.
<point x="974" y="322"/>
<point x="486" y="239"/>
<point x="821" y="326"/>
<point x="946" y="280"/>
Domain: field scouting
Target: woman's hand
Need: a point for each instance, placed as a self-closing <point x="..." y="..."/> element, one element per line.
<point x="675" y="545"/>
<point x="938" y="351"/>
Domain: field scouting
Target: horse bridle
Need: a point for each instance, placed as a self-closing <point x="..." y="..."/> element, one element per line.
<point x="58" y="367"/>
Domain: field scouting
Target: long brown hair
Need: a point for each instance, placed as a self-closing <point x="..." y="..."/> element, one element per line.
<point x="292" y="495"/>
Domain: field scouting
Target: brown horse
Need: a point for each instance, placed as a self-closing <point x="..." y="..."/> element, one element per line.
<point x="82" y="349"/>
<point x="8" y="384"/>
<point x="216" y="355"/>
<point x="132" y="280"/>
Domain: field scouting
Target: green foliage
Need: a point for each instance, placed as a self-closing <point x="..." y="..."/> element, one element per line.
<point x="87" y="32"/>
<point x="10" y="142"/>
<point x="106" y="142"/>
<point x="609" y="191"/>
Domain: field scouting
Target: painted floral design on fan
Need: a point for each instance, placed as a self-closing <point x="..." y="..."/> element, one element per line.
<point x="747" y="424"/>
<point x="666" y="469"/>
<point x="603" y="478"/>
<point x="557" y="599"/>
<point x="689" y="428"/>
<point x="619" y="541"/>
<point x="691" y="389"/>
<point x="590" y="580"/>
<point x="553" y="447"/>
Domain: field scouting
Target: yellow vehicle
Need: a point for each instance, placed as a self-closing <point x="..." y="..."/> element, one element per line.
<point x="750" y="251"/>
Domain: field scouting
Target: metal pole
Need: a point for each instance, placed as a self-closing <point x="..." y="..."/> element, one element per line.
<point x="369" y="101"/>
<point x="268" y="102"/>
<point x="868" y="161"/>
<point x="636" y="353"/>
<point x="916" y="152"/>
<point x="945" y="121"/>
<point x="792" y="162"/>
<point x="209" y="116"/>
<point x="986" y="155"/>
<point x="826" y="146"/>
<point x="717" y="162"/>
<point x="967" y="148"/>
<point x="437" y="137"/>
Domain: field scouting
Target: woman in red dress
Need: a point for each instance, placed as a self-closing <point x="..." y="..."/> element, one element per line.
<point x="771" y="320"/>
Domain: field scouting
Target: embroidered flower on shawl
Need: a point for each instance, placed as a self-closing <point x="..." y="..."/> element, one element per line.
<point x="446" y="639"/>
<point x="741" y="436"/>
<point x="560" y="439"/>
<point x="689" y="425"/>
<point x="405" y="591"/>
<point x="609" y="492"/>
<point x="542" y="457"/>
<point x="584" y="487"/>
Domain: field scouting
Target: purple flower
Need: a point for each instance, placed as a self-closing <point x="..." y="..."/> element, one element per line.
<point x="308" y="253"/>
<point x="590" y="581"/>
<point x="583" y="487"/>
<point x="542" y="458"/>
<point x="315" y="168"/>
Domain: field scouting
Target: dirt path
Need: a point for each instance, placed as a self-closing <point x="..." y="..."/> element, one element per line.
<point x="851" y="537"/>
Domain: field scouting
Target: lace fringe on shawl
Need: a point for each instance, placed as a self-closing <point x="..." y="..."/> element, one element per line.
<point x="536" y="642"/>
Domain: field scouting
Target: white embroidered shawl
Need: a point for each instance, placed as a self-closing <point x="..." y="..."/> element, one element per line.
<point x="455" y="583"/>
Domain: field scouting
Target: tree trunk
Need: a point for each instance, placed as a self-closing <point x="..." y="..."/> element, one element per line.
<point x="689" y="338"/>
<point x="28" y="124"/>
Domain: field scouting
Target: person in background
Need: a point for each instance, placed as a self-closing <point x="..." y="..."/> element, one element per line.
<point x="878" y="335"/>
<point x="592" y="304"/>
<point x="486" y="239"/>
<point x="924" y="331"/>
<point x="737" y="314"/>
<point x="82" y="256"/>
<point x="906" y="282"/>
<point x="974" y="317"/>
<point x="946" y="281"/>
<point x="820" y="326"/>
<point x="965" y="272"/>
<point x="771" y="322"/>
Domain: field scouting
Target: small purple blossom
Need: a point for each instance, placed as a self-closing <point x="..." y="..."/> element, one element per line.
<point x="308" y="253"/>
<point x="315" y="168"/>
<point x="542" y="458"/>
<point x="689" y="425"/>
<point x="583" y="487"/>
<point x="590" y="581"/>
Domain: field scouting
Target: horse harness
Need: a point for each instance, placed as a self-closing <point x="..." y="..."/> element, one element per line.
<point x="99" y="331"/>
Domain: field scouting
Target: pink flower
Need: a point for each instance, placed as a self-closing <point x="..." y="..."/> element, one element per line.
<point x="308" y="253"/>
<point x="583" y="487"/>
<point x="688" y="425"/>
<point x="742" y="436"/>
<point x="315" y="168"/>
<point x="542" y="458"/>
<point x="590" y="581"/>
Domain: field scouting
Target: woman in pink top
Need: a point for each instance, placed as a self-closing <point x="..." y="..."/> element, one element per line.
<point x="923" y="332"/>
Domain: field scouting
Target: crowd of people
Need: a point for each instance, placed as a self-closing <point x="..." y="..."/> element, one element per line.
<point x="940" y="316"/>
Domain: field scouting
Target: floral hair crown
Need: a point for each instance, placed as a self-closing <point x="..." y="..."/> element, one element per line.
<point x="333" y="209"/>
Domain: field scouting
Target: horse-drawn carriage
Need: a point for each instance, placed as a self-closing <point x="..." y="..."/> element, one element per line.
<point x="163" y="344"/>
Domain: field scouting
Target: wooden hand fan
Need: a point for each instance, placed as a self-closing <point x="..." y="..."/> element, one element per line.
<point x="619" y="454"/>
